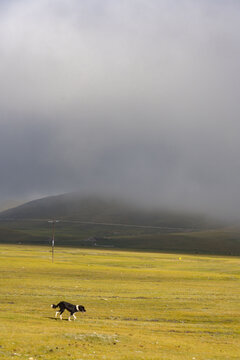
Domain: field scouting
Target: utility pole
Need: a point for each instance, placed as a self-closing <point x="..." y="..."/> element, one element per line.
<point x="53" y="222"/>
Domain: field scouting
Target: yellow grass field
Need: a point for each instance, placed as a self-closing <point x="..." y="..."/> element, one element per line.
<point x="139" y="305"/>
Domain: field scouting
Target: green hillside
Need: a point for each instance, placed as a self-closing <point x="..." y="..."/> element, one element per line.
<point x="103" y="210"/>
<point x="98" y="222"/>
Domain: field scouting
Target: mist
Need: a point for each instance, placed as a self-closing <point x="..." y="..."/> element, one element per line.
<point x="137" y="99"/>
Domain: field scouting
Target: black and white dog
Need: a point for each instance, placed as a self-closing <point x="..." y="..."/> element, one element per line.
<point x="63" y="305"/>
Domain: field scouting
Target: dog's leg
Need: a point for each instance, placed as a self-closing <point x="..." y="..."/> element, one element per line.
<point x="56" y="314"/>
<point x="74" y="317"/>
<point x="61" y="314"/>
<point x="69" y="319"/>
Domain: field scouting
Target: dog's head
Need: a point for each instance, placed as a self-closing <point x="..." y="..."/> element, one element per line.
<point x="80" y="308"/>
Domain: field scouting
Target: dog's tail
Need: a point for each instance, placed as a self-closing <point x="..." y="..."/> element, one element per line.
<point x="54" y="306"/>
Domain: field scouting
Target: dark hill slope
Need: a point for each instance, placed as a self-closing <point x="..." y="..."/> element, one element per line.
<point x="102" y="222"/>
<point x="102" y="210"/>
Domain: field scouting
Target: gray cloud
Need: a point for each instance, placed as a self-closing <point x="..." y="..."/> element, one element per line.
<point x="133" y="98"/>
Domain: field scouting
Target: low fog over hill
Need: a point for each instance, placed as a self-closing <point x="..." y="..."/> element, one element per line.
<point x="138" y="99"/>
<point x="103" y="210"/>
<point x="87" y="221"/>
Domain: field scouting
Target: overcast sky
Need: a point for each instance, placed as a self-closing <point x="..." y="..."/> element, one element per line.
<point x="135" y="98"/>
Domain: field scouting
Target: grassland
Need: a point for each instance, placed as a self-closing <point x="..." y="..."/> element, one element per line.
<point x="139" y="305"/>
<point x="221" y="241"/>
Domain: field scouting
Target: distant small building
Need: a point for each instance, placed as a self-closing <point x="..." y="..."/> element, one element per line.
<point x="91" y="240"/>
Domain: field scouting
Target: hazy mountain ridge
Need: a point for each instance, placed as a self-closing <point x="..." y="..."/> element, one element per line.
<point x="103" y="210"/>
<point x="96" y="218"/>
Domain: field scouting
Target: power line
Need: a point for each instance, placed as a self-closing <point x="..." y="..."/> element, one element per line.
<point x="105" y="224"/>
